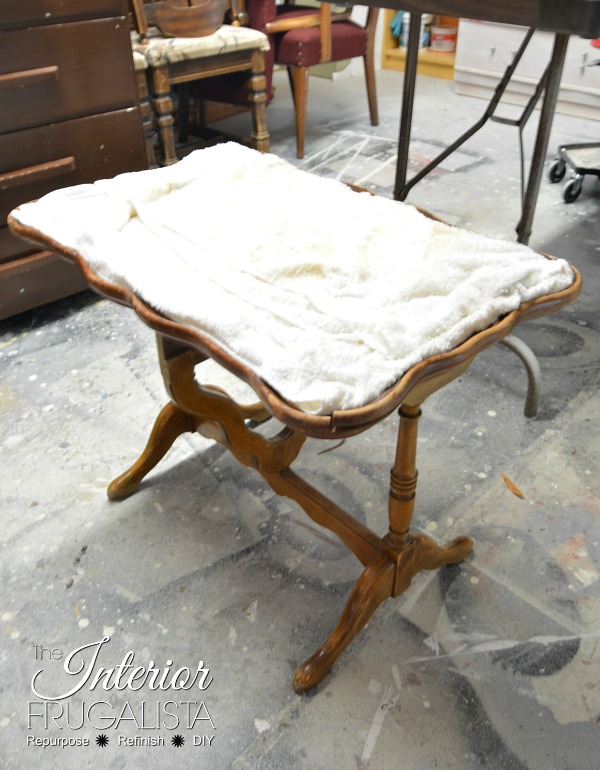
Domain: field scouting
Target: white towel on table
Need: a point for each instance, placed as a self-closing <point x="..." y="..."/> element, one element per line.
<point x="329" y="295"/>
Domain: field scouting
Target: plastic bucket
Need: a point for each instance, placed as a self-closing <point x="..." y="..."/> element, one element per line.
<point x="443" y="38"/>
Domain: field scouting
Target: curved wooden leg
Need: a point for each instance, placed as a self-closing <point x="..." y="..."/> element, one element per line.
<point x="379" y="581"/>
<point x="372" y="588"/>
<point x="170" y="423"/>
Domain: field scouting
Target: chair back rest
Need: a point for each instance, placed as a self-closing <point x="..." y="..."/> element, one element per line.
<point x="325" y="25"/>
<point x="371" y="22"/>
<point x="327" y="18"/>
<point x="180" y="18"/>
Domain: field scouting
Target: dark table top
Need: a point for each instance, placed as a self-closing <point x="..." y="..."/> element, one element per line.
<point x="578" y="17"/>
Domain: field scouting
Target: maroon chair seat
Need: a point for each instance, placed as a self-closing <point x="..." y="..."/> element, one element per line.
<point x="302" y="47"/>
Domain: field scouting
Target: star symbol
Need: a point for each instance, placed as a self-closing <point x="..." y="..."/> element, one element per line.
<point x="178" y="740"/>
<point x="102" y="740"/>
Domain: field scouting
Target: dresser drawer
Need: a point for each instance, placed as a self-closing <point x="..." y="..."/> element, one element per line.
<point x="28" y="13"/>
<point x="39" y="160"/>
<point x="64" y="71"/>
<point x="38" y="279"/>
<point x="12" y="248"/>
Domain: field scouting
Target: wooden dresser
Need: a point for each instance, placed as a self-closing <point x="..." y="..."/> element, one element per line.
<point x="69" y="115"/>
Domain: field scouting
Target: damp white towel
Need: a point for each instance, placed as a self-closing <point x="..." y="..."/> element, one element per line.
<point x="328" y="294"/>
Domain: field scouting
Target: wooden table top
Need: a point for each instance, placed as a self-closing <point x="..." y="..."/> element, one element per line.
<point x="578" y="17"/>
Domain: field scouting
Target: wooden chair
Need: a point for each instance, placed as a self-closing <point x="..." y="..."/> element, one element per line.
<point x="185" y="41"/>
<point x="303" y="37"/>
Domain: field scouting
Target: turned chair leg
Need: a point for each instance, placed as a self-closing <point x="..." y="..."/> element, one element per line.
<point x="146" y="115"/>
<point x="300" y="93"/>
<point x="163" y="108"/>
<point x="257" y="96"/>
<point x="371" y="89"/>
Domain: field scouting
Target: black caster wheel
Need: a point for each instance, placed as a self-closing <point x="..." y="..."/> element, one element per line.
<point x="572" y="190"/>
<point x="557" y="171"/>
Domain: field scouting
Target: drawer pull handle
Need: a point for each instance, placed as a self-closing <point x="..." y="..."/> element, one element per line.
<point x="28" y="77"/>
<point x="37" y="173"/>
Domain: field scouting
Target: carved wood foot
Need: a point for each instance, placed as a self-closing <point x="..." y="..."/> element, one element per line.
<point x="380" y="580"/>
<point x="170" y="423"/>
<point x="420" y="552"/>
<point x="372" y="588"/>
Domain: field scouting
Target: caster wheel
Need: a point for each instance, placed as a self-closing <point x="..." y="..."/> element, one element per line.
<point x="572" y="190"/>
<point x="557" y="171"/>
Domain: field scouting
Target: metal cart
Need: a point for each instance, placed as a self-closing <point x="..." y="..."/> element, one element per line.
<point x="582" y="159"/>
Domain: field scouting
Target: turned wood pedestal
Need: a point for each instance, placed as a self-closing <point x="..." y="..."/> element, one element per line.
<point x="390" y="562"/>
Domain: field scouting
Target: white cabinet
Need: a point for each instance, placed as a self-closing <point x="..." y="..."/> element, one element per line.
<point x="485" y="49"/>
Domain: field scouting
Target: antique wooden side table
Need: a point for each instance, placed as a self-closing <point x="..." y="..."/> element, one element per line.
<point x="155" y="241"/>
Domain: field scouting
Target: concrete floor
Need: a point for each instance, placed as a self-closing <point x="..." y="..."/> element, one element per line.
<point x="495" y="663"/>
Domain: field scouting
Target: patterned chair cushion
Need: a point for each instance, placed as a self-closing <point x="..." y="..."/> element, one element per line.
<point x="160" y="51"/>
<point x="139" y="61"/>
